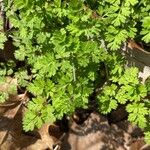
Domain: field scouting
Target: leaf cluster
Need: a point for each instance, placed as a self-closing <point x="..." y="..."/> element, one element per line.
<point x="68" y="48"/>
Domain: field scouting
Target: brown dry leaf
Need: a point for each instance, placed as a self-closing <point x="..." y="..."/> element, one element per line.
<point x="38" y="145"/>
<point x="133" y="45"/>
<point x="18" y="140"/>
<point x="6" y="121"/>
<point x="95" y="134"/>
<point x="45" y="136"/>
<point x="6" y="118"/>
<point x="21" y="97"/>
<point x="11" y="128"/>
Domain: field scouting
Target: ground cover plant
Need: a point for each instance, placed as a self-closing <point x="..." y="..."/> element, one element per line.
<point x="65" y="51"/>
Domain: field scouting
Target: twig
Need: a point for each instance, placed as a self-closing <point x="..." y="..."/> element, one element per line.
<point x="57" y="147"/>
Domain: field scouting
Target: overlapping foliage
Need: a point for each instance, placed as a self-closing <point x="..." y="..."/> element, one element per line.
<point x="64" y="46"/>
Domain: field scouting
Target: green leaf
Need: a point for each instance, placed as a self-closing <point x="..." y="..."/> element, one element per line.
<point x="115" y="37"/>
<point x="20" y="54"/>
<point x="146" y="36"/>
<point x="130" y="76"/>
<point x="119" y="20"/>
<point x="20" y="3"/>
<point x="146" y="29"/>
<point x="22" y="77"/>
<point x="37" y="114"/>
<point x="41" y="38"/>
<point x="62" y="105"/>
<point x="3" y="96"/>
<point x="147" y="137"/>
<point x="37" y="87"/>
<point x="146" y="22"/>
<point x="106" y="106"/>
<point x="137" y="114"/>
<point x="131" y="2"/>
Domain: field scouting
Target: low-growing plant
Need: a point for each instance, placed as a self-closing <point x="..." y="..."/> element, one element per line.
<point x="67" y="47"/>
